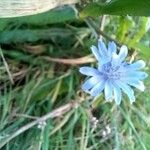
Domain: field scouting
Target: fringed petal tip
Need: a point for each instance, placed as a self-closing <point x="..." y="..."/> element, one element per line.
<point x="95" y="52"/>
<point x="123" y="53"/>
<point x="112" y="48"/>
<point x="136" y="65"/>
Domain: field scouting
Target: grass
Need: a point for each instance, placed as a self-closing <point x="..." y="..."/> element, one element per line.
<point x="32" y="86"/>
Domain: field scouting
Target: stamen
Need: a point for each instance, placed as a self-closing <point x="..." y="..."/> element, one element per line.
<point x="111" y="72"/>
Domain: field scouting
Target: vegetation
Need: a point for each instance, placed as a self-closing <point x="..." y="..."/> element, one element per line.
<point x="42" y="105"/>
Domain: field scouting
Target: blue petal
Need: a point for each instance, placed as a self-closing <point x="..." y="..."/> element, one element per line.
<point x="102" y="48"/>
<point x="105" y="54"/>
<point x="112" y="47"/>
<point x="108" y="90"/>
<point x="90" y="83"/>
<point x="117" y="94"/>
<point x="123" y="53"/>
<point x="89" y="71"/>
<point x="137" y="65"/>
<point x="96" y="52"/>
<point x="98" y="88"/>
<point x="136" y="83"/>
<point x="101" y="59"/>
<point x="127" y="90"/>
<point x="136" y="74"/>
<point x="115" y="60"/>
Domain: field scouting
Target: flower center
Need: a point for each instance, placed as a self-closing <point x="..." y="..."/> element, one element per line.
<point x="110" y="71"/>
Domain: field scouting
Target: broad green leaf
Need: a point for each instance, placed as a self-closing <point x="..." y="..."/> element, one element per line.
<point x="2" y="25"/>
<point x="93" y="9"/>
<point x="118" y="7"/>
<point x="53" y="16"/>
<point x="21" y="36"/>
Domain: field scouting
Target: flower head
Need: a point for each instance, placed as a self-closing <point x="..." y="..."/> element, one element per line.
<point x="113" y="74"/>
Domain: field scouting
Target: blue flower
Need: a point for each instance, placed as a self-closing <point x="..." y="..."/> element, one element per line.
<point x="113" y="75"/>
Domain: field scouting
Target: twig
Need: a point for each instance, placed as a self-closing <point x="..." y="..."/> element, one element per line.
<point x="133" y="56"/>
<point x="98" y="31"/>
<point x="102" y="24"/>
<point x="55" y="113"/>
<point x="25" y="116"/>
<point x="75" y="61"/>
<point x="6" y="66"/>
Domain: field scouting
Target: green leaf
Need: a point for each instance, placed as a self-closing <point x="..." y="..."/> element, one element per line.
<point x="2" y="25"/>
<point x="139" y="33"/>
<point x="28" y="35"/>
<point x="145" y="50"/>
<point x="53" y="16"/>
<point x="93" y="9"/>
<point x="118" y="7"/>
<point x="125" y="24"/>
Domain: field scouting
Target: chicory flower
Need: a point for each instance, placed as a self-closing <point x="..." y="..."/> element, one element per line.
<point x="113" y="74"/>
